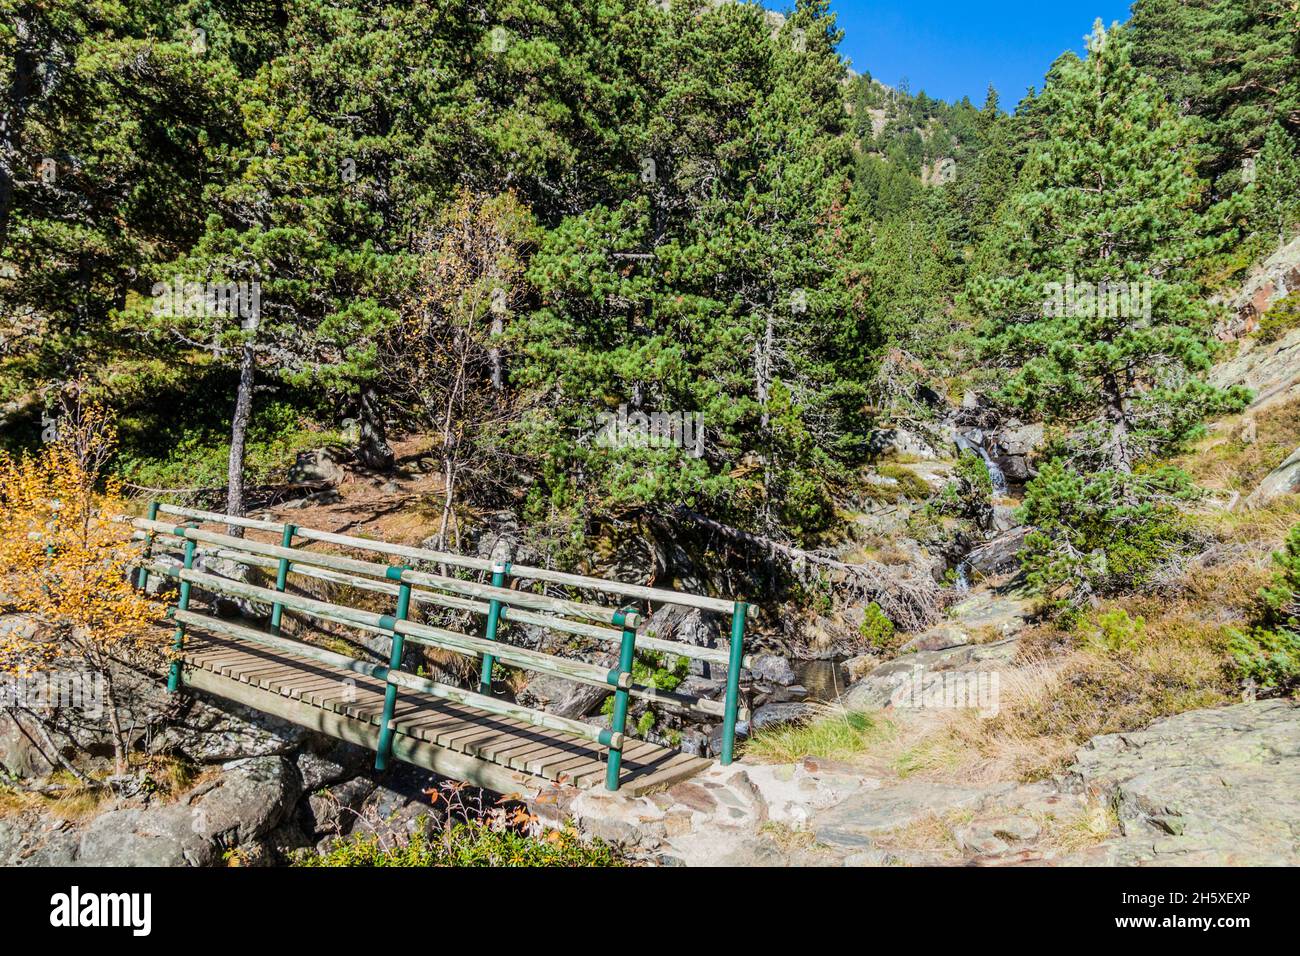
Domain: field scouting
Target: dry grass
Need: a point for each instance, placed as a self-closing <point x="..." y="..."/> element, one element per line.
<point x="1098" y="821"/>
<point x="788" y="840"/>
<point x="1231" y="458"/>
<point x="1266" y="526"/>
<point x="962" y="746"/>
<point x="1059" y="695"/>
<point x="74" y="802"/>
<point x="933" y="835"/>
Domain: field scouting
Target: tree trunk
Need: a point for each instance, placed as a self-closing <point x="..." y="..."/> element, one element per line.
<point x="238" y="437"/>
<point x="114" y="723"/>
<point x="498" y="328"/>
<point x="373" y="448"/>
<point x="1121" y="454"/>
<point x="763" y="349"/>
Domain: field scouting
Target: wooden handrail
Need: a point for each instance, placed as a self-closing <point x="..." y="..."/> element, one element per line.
<point x="457" y="695"/>
<point x="641" y="592"/>
<point x="541" y="602"/>
<point x="538" y="661"/>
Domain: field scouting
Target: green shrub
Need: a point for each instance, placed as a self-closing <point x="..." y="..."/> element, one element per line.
<point x="911" y="486"/>
<point x="970" y="492"/>
<point x="477" y="843"/>
<point x="1101" y="533"/>
<point x="1113" y="632"/>
<point x="876" y="627"/>
<point x="1269" y="652"/>
<point x="1280" y="319"/>
<point x="649" y="669"/>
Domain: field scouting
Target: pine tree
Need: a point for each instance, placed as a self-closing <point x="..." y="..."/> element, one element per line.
<point x="1099" y="313"/>
<point x="1278" y="170"/>
<point x="1232" y="64"/>
<point x="714" y="285"/>
<point x="1099" y="305"/>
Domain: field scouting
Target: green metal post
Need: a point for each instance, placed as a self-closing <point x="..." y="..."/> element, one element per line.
<point x="142" y="579"/>
<point x="499" y="575"/>
<point x="384" y="750"/>
<point x="626" y="654"/>
<point x="182" y="604"/>
<point x="282" y="577"/>
<point x="733" y="680"/>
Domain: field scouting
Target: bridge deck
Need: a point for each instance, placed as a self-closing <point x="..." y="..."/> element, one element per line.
<point x="448" y="738"/>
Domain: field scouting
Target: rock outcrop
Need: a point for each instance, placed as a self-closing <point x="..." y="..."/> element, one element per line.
<point x="1282" y="480"/>
<point x="1269" y="281"/>
<point x="1214" y="787"/>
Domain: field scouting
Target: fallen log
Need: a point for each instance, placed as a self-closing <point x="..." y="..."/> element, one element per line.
<point x="911" y="601"/>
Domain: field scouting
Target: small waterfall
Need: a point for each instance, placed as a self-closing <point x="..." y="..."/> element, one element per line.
<point x="974" y="441"/>
<point x="962" y="571"/>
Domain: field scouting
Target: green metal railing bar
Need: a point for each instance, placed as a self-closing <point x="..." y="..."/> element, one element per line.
<point x="281" y="578"/>
<point x="626" y="655"/>
<point x="499" y="574"/>
<point x="178" y="639"/>
<point x="385" y="749"/>
<point x="142" y="579"/>
<point x="733" y="680"/>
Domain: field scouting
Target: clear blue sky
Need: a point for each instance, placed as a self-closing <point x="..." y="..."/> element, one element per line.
<point x="953" y="49"/>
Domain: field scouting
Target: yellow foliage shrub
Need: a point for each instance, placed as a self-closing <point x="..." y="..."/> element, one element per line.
<point x="62" y="559"/>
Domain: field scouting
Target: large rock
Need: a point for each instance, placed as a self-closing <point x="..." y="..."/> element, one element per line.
<point x="784" y="712"/>
<point x="866" y="815"/>
<point x="1268" y="282"/>
<point x="1021" y="440"/>
<point x="688" y="626"/>
<point x="1208" y="787"/>
<point x="1270" y="369"/>
<point x="901" y="442"/>
<point x="334" y="809"/>
<point x="213" y="730"/>
<point x="328" y="761"/>
<point x="79" y="725"/>
<point x="1282" y="480"/>
<point x="318" y="464"/>
<point x="249" y="800"/>
<point x="998" y="555"/>
<point x="565" y="698"/>
<point x="774" y="669"/>
<point x="22" y="753"/>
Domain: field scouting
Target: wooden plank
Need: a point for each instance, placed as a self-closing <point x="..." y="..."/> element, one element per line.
<point x="512" y="745"/>
<point x="681" y="767"/>
<point x="443" y="762"/>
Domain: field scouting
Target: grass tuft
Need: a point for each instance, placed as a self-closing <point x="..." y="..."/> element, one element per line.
<point x="833" y="733"/>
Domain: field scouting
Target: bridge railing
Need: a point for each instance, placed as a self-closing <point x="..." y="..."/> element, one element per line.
<point x="495" y="602"/>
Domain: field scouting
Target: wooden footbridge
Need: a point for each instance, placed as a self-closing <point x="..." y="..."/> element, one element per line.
<point x="472" y="735"/>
